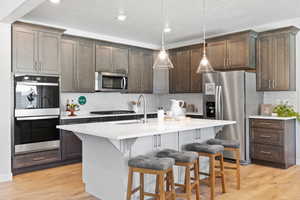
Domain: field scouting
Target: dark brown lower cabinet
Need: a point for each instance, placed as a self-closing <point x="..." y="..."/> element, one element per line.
<point x="273" y="142"/>
<point x="71" y="146"/>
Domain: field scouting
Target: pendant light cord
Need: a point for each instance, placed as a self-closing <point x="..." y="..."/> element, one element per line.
<point x="163" y="24"/>
<point x="204" y="27"/>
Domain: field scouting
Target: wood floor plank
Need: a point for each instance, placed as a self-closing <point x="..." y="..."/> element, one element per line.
<point x="65" y="183"/>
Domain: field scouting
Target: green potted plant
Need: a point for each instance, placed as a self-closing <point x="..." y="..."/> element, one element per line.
<point x="285" y="110"/>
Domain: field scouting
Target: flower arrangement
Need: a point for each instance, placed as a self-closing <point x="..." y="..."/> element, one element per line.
<point x="285" y="110"/>
<point x="72" y="107"/>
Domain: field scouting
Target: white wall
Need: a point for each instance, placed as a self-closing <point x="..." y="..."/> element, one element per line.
<point x="5" y="102"/>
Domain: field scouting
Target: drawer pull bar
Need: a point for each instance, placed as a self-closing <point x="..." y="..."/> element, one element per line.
<point x="265" y="152"/>
<point x="38" y="159"/>
<point x="265" y="123"/>
<point x="265" y="136"/>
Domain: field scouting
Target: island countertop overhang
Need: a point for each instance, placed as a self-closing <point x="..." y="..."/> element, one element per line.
<point x="120" y="130"/>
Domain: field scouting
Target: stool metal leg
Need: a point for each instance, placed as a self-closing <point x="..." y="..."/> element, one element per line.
<point x="129" y="186"/>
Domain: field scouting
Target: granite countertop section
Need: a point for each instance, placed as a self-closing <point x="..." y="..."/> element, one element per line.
<point x="88" y="115"/>
<point x="119" y="130"/>
<point x="270" y="117"/>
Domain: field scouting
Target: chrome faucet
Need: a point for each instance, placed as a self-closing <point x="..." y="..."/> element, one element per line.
<point x="145" y="105"/>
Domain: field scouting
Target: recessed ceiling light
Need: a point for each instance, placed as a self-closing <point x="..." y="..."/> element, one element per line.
<point x="55" y="1"/>
<point x="167" y="30"/>
<point x="121" y="17"/>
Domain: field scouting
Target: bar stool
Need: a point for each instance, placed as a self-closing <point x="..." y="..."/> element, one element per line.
<point x="160" y="167"/>
<point x="212" y="152"/>
<point x="233" y="146"/>
<point x="188" y="160"/>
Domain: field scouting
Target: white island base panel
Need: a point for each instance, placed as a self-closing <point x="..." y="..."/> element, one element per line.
<point x="105" y="160"/>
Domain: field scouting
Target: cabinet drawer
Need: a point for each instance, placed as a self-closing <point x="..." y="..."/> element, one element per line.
<point x="267" y="136"/>
<point x="267" y="153"/>
<point x="271" y="124"/>
<point x="38" y="158"/>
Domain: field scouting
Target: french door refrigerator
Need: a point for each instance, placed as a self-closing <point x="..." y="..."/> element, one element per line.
<point x="232" y="96"/>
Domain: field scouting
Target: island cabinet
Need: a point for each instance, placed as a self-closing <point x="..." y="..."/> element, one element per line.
<point x="276" y="60"/>
<point x="273" y="142"/>
<point x="36" y="49"/>
<point x="78" y="65"/>
<point x="112" y="58"/>
<point x="233" y="52"/>
<point x="140" y="74"/>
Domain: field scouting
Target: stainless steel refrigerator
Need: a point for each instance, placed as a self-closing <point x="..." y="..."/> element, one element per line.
<point x="232" y="96"/>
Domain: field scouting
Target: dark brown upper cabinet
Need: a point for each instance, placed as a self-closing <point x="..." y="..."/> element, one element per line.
<point x="140" y="74"/>
<point x="36" y="49"/>
<point x="112" y="58"/>
<point x="232" y="52"/>
<point x="196" y="79"/>
<point x="180" y="75"/>
<point x="276" y="60"/>
<point x="78" y="65"/>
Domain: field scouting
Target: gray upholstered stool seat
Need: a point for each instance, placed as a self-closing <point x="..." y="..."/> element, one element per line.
<point x="182" y="157"/>
<point x="226" y="143"/>
<point x="151" y="162"/>
<point x="204" y="148"/>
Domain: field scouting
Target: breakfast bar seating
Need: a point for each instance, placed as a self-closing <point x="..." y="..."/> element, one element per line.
<point x="161" y="167"/>
<point x="212" y="152"/>
<point x="232" y="146"/>
<point x="188" y="160"/>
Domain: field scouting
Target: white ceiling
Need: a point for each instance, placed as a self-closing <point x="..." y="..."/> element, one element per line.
<point x="144" y="17"/>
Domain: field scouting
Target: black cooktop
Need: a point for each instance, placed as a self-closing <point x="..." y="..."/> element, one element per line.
<point x="112" y="112"/>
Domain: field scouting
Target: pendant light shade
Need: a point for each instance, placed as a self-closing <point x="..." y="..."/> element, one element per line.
<point x="163" y="60"/>
<point x="204" y="65"/>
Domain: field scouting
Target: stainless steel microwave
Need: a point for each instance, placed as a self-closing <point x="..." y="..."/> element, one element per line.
<point x="111" y="82"/>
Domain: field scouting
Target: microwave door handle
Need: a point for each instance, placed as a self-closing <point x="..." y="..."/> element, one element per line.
<point x="36" y="118"/>
<point x="124" y="83"/>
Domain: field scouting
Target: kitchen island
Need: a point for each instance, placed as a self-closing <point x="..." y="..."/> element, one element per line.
<point x="108" y="146"/>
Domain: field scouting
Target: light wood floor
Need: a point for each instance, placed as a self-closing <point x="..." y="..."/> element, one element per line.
<point x="64" y="183"/>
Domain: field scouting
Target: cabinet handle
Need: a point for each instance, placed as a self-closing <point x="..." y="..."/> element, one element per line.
<point x="273" y="83"/>
<point x="38" y="158"/>
<point x="265" y="152"/>
<point x="35" y="65"/>
<point x="265" y="136"/>
<point x="269" y="84"/>
<point x="224" y="62"/>
<point x="265" y="123"/>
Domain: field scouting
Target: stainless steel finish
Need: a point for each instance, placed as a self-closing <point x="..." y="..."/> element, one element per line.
<point x="36" y="118"/>
<point x="236" y="98"/>
<point x="37" y="84"/>
<point x="36" y="112"/>
<point x="98" y="81"/>
<point x="273" y="83"/>
<point x="40" y="146"/>
<point x="142" y="97"/>
<point x="269" y="84"/>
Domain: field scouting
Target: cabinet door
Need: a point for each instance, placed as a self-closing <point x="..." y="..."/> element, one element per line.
<point x="85" y="66"/>
<point x="265" y="65"/>
<point x="216" y="53"/>
<point x="68" y="65"/>
<point x="71" y="146"/>
<point x="238" y="52"/>
<point x="135" y="64"/>
<point x="147" y="72"/>
<point x="281" y="79"/>
<point x="196" y="79"/>
<point x="25" y="50"/>
<point x="103" y="58"/>
<point x="49" y="53"/>
<point x="120" y="59"/>
<point x="181" y="74"/>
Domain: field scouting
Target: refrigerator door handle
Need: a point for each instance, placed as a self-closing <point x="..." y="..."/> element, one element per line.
<point x="216" y="102"/>
<point x="221" y="103"/>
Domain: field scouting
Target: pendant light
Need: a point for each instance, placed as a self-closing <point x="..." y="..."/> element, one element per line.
<point x="163" y="60"/>
<point x="204" y="65"/>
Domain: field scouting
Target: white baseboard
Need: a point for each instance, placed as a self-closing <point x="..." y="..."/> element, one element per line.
<point x="5" y="177"/>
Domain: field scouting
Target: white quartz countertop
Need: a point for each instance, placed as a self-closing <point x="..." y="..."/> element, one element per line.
<point x="119" y="130"/>
<point x="270" y="117"/>
<point x="88" y="115"/>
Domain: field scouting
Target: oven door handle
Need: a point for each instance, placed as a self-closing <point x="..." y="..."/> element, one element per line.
<point x="36" y="118"/>
<point x="37" y="84"/>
